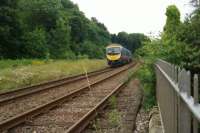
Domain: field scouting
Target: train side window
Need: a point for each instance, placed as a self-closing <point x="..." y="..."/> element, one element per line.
<point x="123" y="51"/>
<point x="126" y="52"/>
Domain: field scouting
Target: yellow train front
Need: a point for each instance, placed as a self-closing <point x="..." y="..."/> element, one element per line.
<point x="117" y="55"/>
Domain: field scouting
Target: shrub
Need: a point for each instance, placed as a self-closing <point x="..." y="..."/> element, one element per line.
<point x="147" y="77"/>
<point x="35" y="44"/>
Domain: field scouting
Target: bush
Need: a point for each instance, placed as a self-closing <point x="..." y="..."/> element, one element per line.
<point x="35" y="45"/>
<point x="93" y="51"/>
<point x="149" y="53"/>
<point x="147" y="77"/>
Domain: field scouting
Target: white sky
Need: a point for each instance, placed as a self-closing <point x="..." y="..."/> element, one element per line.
<point x="132" y="16"/>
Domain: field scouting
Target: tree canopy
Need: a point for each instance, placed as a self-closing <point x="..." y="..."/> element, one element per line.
<point x="49" y="28"/>
<point x="180" y="41"/>
<point x="131" y="41"/>
<point x="173" y="22"/>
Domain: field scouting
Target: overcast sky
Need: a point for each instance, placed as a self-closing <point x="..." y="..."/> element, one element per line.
<point x="132" y="16"/>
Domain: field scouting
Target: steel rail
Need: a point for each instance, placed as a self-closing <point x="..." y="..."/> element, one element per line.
<point x="13" y="95"/>
<point x="85" y="120"/>
<point x="16" y="120"/>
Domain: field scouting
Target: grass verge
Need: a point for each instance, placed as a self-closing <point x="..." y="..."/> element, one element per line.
<point x="16" y="74"/>
<point x="146" y="75"/>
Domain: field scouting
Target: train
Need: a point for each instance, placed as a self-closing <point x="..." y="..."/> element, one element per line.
<point x="117" y="55"/>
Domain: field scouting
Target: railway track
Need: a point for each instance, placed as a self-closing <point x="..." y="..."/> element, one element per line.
<point x="16" y="94"/>
<point x="10" y="122"/>
<point x="27" y="102"/>
<point x="126" y="106"/>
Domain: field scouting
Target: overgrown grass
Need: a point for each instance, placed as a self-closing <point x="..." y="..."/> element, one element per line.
<point x="146" y="75"/>
<point x="14" y="63"/>
<point x="19" y="73"/>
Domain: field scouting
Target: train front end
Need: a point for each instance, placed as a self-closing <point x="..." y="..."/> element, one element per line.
<point x="113" y="55"/>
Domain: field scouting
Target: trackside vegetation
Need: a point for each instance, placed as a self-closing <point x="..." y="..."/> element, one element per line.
<point x="28" y="72"/>
<point x="179" y="44"/>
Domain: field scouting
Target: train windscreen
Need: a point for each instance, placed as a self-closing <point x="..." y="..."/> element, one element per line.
<point x="113" y="51"/>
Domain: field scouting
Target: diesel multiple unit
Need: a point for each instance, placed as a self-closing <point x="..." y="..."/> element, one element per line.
<point x="117" y="55"/>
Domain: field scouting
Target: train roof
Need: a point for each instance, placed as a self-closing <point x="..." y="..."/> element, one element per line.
<point x="117" y="45"/>
<point x="114" y="45"/>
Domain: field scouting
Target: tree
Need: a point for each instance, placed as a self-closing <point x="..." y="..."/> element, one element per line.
<point x="173" y="23"/>
<point x="181" y="40"/>
<point x="130" y="41"/>
<point x="59" y="40"/>
<point x="78" y="29"/>
<point x="35" y="45"/>
<point x="195" y="3"/>
<point x="40" y="13"/>
<point x="54" y="28"/>
<point x="190" y="30"/>
<point x="9" y="30"/>
<point x="114" y="38"/>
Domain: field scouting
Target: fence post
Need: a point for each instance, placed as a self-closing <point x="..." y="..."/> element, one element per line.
<point x="184" y="113"/>
<point x="179" y="99"/>
<point x="196" y="101"/>
<point x="176" y="74"/>
<point x="175" y="102"/>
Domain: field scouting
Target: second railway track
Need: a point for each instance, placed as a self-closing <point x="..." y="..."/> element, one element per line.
<point x="13" y="95"/>
<point x="11" y="120"/>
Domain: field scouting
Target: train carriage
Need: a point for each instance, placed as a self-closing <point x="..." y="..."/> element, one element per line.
<point x="117" y="55"/>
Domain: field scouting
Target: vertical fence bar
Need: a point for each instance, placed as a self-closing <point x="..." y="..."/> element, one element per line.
<point x="196" y="101"/>
<point x="179" y="99"/>
<point x="188" y="91"/>
<point x="188" y="83"/>
<point x="175" y="102"/>
<point x="175" y="113"/>
<point x="175" y="74"/>
<point x="171" y="101"/>
<point x="185" y="116"/>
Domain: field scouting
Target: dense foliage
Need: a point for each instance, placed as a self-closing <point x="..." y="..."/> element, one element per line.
<point x="179" y="44"/>
<point x="172" y="25"/>
<point x="131" y="41"/>
<point x="183" y="47"/>
<point x="49" y="29"/>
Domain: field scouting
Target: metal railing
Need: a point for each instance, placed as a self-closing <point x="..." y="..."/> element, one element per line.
<point x="178" y="99"/>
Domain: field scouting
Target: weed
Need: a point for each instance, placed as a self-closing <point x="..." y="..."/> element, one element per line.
<point x="114" y="118"/>
<point x="97" y="127"/>
<point x="113" y="102"/>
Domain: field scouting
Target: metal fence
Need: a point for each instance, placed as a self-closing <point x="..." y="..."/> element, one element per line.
<point x="178" y="99"/>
